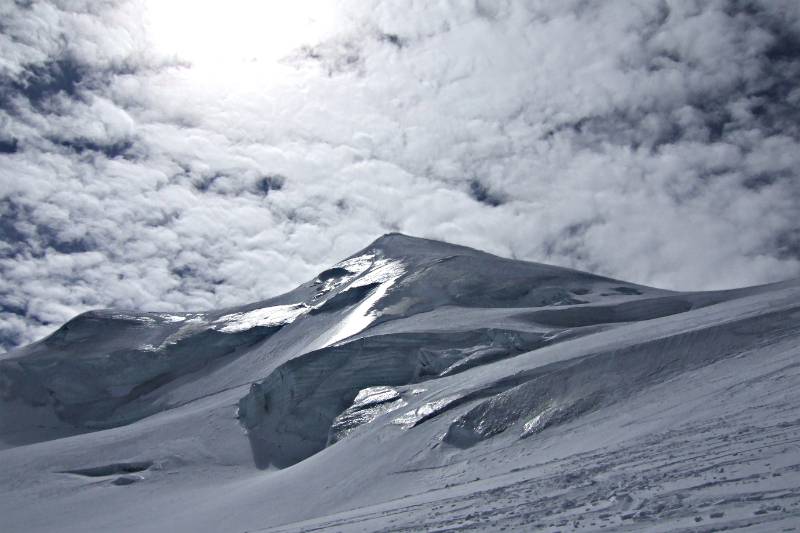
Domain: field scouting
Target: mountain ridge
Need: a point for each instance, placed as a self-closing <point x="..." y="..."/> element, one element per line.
<point x="386" y="375"/>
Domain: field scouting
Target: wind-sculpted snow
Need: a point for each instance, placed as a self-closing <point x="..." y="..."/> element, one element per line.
<point x="425" y="411"/>
<point x="369" y="404"/>
<point x="414" y="386"/>
<point x="563" y="391"/>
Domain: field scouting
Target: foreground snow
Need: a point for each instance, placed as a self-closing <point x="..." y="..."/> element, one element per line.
<point x="414" y="386"/>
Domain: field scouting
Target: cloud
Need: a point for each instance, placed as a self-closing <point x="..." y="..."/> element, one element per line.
<point x="651" y="141"/>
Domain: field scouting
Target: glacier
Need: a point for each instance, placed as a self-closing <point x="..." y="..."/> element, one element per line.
<point x="414" y="386"/>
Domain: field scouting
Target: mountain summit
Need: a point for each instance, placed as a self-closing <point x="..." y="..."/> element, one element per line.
<point x="414" y="385"/>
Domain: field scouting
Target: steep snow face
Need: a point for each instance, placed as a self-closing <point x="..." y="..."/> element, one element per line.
<point x="289" y="415"/>
<point x="379" y="278"/>
<point x="108" y="383"/>
<point x="359" y="282"/>
<point x="414" y="386"/>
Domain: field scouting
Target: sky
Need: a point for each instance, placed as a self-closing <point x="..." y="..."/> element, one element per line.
<point x="187" y="155"/>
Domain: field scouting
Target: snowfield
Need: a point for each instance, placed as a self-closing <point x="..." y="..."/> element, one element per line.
<point x="416" y="386"/>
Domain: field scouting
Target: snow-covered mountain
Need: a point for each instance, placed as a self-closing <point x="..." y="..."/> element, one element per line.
<point x="416" y="385"/>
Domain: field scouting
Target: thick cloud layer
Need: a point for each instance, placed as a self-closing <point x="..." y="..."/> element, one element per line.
<point x="657" y="142"/>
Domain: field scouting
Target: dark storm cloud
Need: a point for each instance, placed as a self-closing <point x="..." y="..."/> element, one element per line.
<point x="651" y="141"/>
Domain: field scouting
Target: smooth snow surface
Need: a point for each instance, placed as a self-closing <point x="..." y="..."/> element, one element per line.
<point x="417" y="386"/>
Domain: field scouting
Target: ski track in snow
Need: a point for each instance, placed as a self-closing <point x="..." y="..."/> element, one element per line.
<point x="692" y="478"/>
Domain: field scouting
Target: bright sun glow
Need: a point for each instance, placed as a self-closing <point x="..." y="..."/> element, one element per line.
<point x="230" y="34"/>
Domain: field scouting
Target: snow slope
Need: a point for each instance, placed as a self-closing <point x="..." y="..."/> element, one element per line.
<point x="416" y="385"/>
